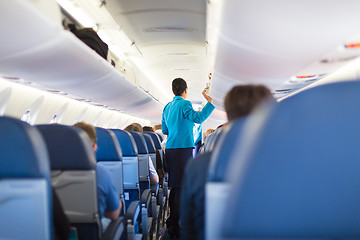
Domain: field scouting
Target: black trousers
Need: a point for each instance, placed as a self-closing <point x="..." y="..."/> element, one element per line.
<point x="176" y="160"/>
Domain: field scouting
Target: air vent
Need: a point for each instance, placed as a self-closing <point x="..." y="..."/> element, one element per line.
<point x="335" y="60"/>
<point x="169" y="29"/>
<point x="182" y="69"/>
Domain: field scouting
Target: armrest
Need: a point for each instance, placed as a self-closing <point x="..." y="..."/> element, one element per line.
<point x="115" y="230"/>
<point x="155" y="189"/>
<point x="133" y="211"/>
<point x="146" y="197"/>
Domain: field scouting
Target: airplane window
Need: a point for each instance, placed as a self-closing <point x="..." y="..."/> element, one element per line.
<point x="54" y="119"/>
<point x="26" y="116"/>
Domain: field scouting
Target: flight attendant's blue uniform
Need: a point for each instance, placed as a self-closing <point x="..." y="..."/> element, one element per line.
<point x="178" y="119"/>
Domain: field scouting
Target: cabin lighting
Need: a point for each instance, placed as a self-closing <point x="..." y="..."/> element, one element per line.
<point x="352" y="45"/>
<point x="306" y="76"/>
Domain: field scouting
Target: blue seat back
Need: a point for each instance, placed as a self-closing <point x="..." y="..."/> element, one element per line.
<point x="109" y="155"/>
<point x="296" y="168"/>
<point x="130" y="165"/>
<point x="25" y="195"/>
<point x="224" y="149"/>
<point x="151" y="147"/>
<point x="130" y="158"/>
<point x="73" y="173"/>
<point x="217" y="190"/>
<point x="143" y="154"/>
<point x="155" y="139"/>
<point x="160" y="137"/>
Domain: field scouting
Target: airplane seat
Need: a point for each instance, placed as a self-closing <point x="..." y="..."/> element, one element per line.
<point x="297" y="173"/>
<point x="73" y="172"/>
<point x="133" y="218"/>
<point x="25" y="183"/>
<point x="217" y="190"/>
<point x="143" y="155"/>
<point x="163" y="186"/>
<point x="160" y="137"/>
<point x="109" y="155"/>
<point x="208" y="141"/>
<point x="213" y="141"/>
<point x="130" y="165"/>
<point x="151" y="148"/>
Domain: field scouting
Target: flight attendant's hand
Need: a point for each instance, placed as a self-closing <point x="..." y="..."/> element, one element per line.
<point x="207" y="97"/>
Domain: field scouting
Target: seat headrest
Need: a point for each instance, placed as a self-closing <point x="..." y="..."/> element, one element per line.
<point x="160" y="137"/>
<point x="108" y="146"/>
<point x="295" y="169"/>
<point x="23" y="151"/>
<point x="149" y="143"/>
<point x="140" y="142"/>
<point x="155" y="139"/>
<point x="127" y="142"/>
<point x="69" y="147"/>
<point x="213" y="140"/>
<point x="223" y="150"/>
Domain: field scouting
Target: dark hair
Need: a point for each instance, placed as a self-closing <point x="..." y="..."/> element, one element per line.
<point x="148" y="129"/>
<point x="241" y="100"/>
<point x="178" y="86"/>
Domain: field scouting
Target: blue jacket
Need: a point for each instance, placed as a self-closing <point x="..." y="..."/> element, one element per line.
<point x="178" y="120"/>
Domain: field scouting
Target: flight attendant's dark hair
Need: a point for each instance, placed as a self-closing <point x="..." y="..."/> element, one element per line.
<point x="178" y="86"/>
<point x="241" y="100"/>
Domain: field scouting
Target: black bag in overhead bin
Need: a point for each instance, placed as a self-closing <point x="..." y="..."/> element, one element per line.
<point x="92" y="39"/>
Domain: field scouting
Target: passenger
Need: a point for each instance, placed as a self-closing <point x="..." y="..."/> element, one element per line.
<point x="108" y="198"/>
<point x="239" y="102"/>
<point x="208" y="132"/>
<point x="133" y="127"/>
<point x="178" y="119"/>
<point x="148" y="129"/>
<point x="154" y="177"/>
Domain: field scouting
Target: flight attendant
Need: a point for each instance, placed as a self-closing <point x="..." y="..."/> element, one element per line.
<point x="178" y="119"/>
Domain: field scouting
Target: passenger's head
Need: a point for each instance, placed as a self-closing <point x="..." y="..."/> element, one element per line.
<point x="136" y="127"/>
<point x="241" y="100"/>
<point x="148" y="129"/>
<point x="90" y="130"/>
<point x="179" y="86"/>
<point x="209" y="131"/>
<point x="157" y="126"/>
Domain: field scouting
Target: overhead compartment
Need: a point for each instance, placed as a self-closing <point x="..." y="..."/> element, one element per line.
<point x="272" y="42"/>
<point x="35" y="48"/>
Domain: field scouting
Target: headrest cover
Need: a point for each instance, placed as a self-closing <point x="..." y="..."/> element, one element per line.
<point x="69" y="147"/>
<point x="160" y="137"/>
<point x="127" y="143"/>
<point x="149" y="143"/>
<point x="295" y="170"/>
<point x="224" y="150"/>
<point x="155" y="139"/>
<point x="23" y="151"/>
<point x="108" y="146"/>
<point x="140" y="142"/>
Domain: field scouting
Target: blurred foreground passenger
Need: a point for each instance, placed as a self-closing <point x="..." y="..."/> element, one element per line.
<point x="239" y="102"/>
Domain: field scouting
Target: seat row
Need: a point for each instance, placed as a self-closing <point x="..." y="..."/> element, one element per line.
<point x="35" y="159"/>
<point x="289" y="170"/>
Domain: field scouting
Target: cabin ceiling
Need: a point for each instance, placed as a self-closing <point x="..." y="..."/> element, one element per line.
<point x="171" y="36"/>
<point x="286" y="45"/>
